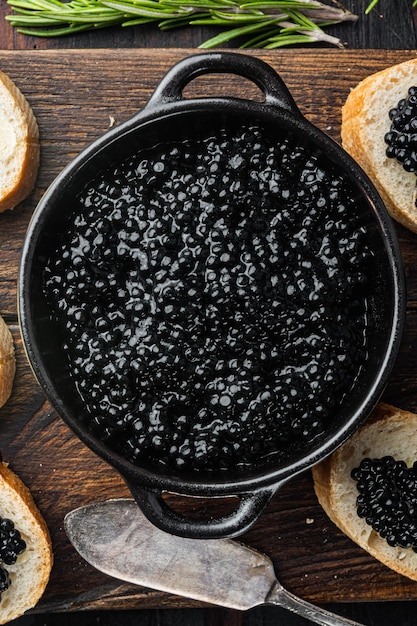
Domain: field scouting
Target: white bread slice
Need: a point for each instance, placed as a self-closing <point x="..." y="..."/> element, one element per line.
<point x="19" y="145"/>
<point x="364" y="123"/>
<point x="388" y="431"/>
<point x="7" y="362"/>
<point x="30" y="574"/>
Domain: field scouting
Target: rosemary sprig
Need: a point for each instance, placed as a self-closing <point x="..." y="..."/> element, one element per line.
<point x="373" y="4"/>
<point x="258" y="23"/>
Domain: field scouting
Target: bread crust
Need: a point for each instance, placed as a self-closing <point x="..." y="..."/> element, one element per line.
<point x="20" y="160"/>
<point x="388" y="431"/>
<point x="30" y="574"/>
<point x="365" y="121"/>
<point x="7" y="362"/>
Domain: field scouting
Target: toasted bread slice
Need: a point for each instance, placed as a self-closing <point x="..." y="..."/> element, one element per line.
<point x="388" y="432"/>
<point x="30" y="573"/>
<point x="7" y="362"/>
<point x="19" y="145"/>
<point x="365" y="122"/>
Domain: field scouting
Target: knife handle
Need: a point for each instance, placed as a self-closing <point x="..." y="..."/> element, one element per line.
<point x="156" y="509"/>
<point x="281" y="597"/>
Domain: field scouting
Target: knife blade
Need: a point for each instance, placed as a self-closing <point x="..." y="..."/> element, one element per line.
<point x="117" y="539"/>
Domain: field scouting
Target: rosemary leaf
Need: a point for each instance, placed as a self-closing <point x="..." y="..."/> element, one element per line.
<point x="39" y="4"/>
<point x="373" y="4"/>
<point x="36" y="22"/>
<point x="133" y="9"/>
<point x="290" y="40"/>
<point x="54" y="32"/>
<point x="228" y="35"/>
<point x="178" y="22"/>
<point x="137" y="22"/>
<point x="203" y="4"/>
<point x="227" y="18"/>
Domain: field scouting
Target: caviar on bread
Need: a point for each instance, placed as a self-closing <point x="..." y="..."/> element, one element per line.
<point x="368" y="488"/>
<point x="25" y="548"/>
<point x="379" y="125"/>
<point x="7" y="362"/>
<point x="177" y="276"/>
<point x="19" y="145"/>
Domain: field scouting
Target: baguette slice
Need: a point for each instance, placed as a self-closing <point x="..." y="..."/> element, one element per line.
<point x="389" y="431"/>
<point x="19" y="145"/>
<point x="364" y="123"/>
<point x="7" y="362"/>
<point x="30" y="574"/>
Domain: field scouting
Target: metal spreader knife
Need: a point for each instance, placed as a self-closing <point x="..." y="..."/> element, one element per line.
<point x="116" y="538"/>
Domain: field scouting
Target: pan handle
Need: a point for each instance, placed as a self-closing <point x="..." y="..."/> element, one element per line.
<point x="171" y="87"/>
<point x="156" y="509"/>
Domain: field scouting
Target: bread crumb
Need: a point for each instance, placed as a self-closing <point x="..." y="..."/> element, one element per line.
<point x="310" y="520"/>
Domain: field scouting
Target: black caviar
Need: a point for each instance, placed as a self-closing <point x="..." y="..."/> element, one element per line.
<point x="211" y="296"/>
<point x="387" y="499"/>
<point x="4" y="580"/>
<point x="11" y="546"/>
<point x="402" y="136"/>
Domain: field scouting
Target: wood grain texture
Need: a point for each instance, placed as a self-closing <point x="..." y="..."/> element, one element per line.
<point x="75" y="94"/>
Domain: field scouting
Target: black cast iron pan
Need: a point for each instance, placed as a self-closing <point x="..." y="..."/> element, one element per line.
<point x="170" y="116"/>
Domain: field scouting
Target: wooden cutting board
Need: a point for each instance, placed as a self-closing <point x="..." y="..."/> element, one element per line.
<point x="77" y="95"/>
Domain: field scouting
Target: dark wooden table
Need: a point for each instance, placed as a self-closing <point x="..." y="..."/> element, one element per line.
<point x="76" y="85"/>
